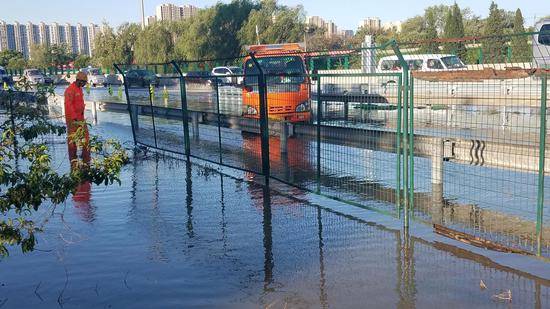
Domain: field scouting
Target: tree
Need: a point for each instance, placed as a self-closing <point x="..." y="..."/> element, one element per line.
<point x="17" y="64"/>
<point x="215" y="32"/>
<point x="275" y="23"/>
<point x="59" y="54"/>
<point x="44" y="56"/>
<point x="494" y="47"/>
<point x="28" y="177"/>
<point x="82" y="61"/>
<point x="412" y="29"/>
<point x="521" y="50"/>
<point x="430" y="46"/>
<point x="454" y="29"/>
<point x="7" y="54"/>
<point x="318" y="41"/>
<point x="154" y="45"/>
<point x="111" y="47"/>
<point x="40" y="57"/>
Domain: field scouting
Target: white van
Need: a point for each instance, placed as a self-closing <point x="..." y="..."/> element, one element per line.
<point x="541" y="44"/>
<point x="228" y="71"/>
<point x="421" y="62"/>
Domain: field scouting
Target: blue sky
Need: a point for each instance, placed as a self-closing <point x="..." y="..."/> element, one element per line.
<point x="345" y="13"/>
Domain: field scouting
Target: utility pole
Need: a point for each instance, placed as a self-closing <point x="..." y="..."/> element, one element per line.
<point x="142" y="16"/>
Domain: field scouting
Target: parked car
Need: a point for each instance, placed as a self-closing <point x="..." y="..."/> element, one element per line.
<point x="95" y="78"/>
<point x="199" y="77"/>
<point x="141" y="78"/>
<point x="541" y="44"/>
<point x="35" y="77"/>
<point x="5" y="77"/>
<point x="422" y="62"/>
<point x="230" y="72"/>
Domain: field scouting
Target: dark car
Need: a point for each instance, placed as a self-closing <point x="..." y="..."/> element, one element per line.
<point x="141" y="78"/>
<point x="5" y="77"/>
<point x="199" y="77"/>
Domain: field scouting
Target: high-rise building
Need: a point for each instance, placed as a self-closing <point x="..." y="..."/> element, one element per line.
<point x="372" y="23"/>
<point x="331" y="29"/>
<point x="82" y="39"/>
<point x="150" y="20"/>
<point x="71" y="38"/>
<point x="172" y="12"/>
<point x="33" y="34"/>
<point x="3" y="35"/>
<point x="166" y="11"/>
<point x="55" y="34"/>
<point x="7" y="36"/>
<point x="315" y="21"/>
<point x="346" y="33"/>
<point x="79" y="39"/>
<point x="44" y="32"/>
<point x="21" y="39"/>
<point x="93" y="30"/>
<point x="189" y="11"/>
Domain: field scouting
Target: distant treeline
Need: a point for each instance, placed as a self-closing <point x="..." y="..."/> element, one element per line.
<point x="222" y="31"/>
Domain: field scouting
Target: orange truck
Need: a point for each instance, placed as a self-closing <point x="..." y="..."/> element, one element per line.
<point x="288" y="86"/>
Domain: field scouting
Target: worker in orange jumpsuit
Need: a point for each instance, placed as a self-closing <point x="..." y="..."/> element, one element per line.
<point x="74" y="112"/>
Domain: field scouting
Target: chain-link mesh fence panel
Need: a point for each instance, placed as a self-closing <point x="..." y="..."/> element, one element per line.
<point x="479" y="128"/>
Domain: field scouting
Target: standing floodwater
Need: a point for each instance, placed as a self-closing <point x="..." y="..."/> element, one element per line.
<point x="176" y="234"/>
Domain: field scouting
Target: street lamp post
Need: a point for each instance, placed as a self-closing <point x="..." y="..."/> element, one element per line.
<point x="142" y="16"/>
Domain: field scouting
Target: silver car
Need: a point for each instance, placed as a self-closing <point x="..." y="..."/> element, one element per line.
<point x="95" y="78"/>
<point x="34" y="76"/>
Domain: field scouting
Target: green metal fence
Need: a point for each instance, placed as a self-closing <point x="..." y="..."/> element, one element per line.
<point x="480" y="138"/>
<point x="451" y="145"/>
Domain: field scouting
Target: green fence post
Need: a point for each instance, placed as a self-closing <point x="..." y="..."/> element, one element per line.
<point x="509" y="53"/>
<point x="264" y="125"/>
<point x="133" y="119"/>
<point x="411" y="143"/>
<point x="328" y="63"/>
<point x="216" y="84"/>
<point x="184" y="112"/>
<point x="346" y="62"/>
<point x="480" y="56"/>
<point x="542" y="149"/>
<point x="319" y="117"/>
<point x="398" y="146"/>
<point x="311" y="65"/>
<point x="405" y="90"/>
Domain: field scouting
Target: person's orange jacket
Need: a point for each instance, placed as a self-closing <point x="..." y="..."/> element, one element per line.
<point x="74" y="104"/>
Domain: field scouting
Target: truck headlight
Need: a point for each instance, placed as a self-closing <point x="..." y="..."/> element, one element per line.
<point x="251" y="110"/>
<point x="303" y="107"/>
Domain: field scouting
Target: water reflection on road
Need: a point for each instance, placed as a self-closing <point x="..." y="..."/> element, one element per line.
<point x="180" y="235"/>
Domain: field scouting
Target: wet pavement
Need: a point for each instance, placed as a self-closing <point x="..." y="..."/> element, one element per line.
<point x="179" y="234"/>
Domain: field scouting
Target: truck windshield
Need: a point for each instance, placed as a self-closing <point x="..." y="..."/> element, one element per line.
<point x="34" y="72"/>
<point x="279" y="69"/>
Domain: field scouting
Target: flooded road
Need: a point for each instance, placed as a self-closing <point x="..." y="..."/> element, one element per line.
<point x="177" y="234"/>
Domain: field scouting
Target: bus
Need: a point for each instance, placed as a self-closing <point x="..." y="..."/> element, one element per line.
<point x="288" y="86"/>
